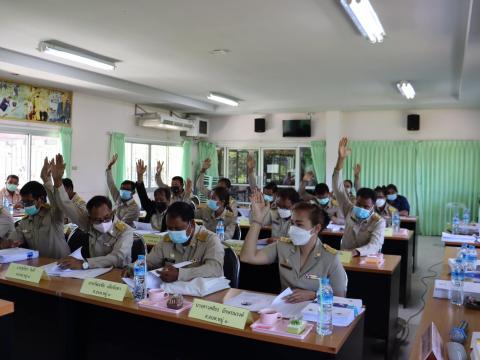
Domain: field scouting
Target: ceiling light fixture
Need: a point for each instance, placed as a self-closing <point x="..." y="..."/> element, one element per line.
<point x="222" y="99"/>
<point x="406" y="89"/>
<point x="81" y="56"/>
<point x="219" y="51"/>
<point x="365" y="19"/>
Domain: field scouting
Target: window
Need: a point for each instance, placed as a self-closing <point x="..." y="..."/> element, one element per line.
<point x="279" y="166"/>
<point x="306" y="165"/>
<point x="23" y="154"/>
<point x="237" y="165"/>
<point x="170" y="155"/>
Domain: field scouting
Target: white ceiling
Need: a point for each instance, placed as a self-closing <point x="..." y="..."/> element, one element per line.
<point x="286" y="55"/>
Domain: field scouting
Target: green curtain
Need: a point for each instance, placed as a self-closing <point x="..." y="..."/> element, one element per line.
<point x="447" y="171"/>
<point x="66" y="146"/>
<point x="208" y="150"/>
<point x="117" y="146"/>
<point x="319" y="159"/>
<point x="385" y="162"/>
<point x="187" y="160"/>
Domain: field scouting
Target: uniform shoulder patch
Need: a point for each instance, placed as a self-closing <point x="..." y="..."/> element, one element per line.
<point x="286" y="240"/>
<point x="166" y="238"/>
<point x="376" y="217"/>
<point x="329" y="249"/>
<point x="46" y="206"/>
<point x="120" y="226"/>
<point x="228" y="213"/>
<point x="334" y="202"/>
<point x="202" y="236"/>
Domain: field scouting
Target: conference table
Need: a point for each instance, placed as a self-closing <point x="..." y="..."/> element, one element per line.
<point x="6" y="324"/>
<point x="54" y="320"/>
<point x="443" y="314"/>
<point x="377" y="286"/>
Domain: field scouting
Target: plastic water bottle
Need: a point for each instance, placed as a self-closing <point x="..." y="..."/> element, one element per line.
<point x="462" y="252"/>
<point x="325" y="308"/>
<point x="139" y="270"/>
<point x="220" y="230"/>
<point x="455" y="224"/>
<point x="396" y="222"/>
<point x="456" y="287"/>
<point x="471" y="259"/>
<point x="10" y="209"/>
<point x="466" y="216"/>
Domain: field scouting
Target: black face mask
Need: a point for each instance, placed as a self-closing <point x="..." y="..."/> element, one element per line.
<point x="160" y="206"/>
<point x="175" y="189"/>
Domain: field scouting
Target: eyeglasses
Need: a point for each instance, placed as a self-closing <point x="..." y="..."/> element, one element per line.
<point x="100" y="221"/>
<point x="28" y="203"/>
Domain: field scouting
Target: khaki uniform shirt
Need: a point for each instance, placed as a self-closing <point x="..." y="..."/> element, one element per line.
<point x="210" y="220"/>
<point x="204" y="248"/>
<point x="157" y="219"/>
<point x="280" y="226"/>
<point x="79" y="203"/>
<point x="113" y="248"/>
<point x="12" y="199"/>
<point x="6" y="223"/>
<point x="204" y="191"/>
<point x="387" y="211"/>
<point x="333" y="210"/>
<point x="183" y="196"/>
<point x="126" y="211"/>
<point x="365" y="236"/>
<point x="322" y="262"/>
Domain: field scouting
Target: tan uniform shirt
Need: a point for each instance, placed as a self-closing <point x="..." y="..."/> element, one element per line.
<point x="210" y="220"/>
<point x="12" y="199"/>
<point x="7" y="226"/>
<point x="387" y="211"/>
<point x="184" y="196"/>
<point x="333" y="211"/>
<point x="365" y="236"/>
<point x="280" y="226"/>
<point x="126" y="211"/>
<point x="204" y="247"/>
<point x="156" y="220"/>
<point x="322" y="262"/>
<point x="205" y="192"/>
<point x="113" y="248"/>
<point x="79" y="203"/>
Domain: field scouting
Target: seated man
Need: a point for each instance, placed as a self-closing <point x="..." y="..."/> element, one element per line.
<point x="218" y="208"/>
<point x="10" y="192"/>
<point x="156" y="209"/>
<point x="322" y="198"/>
<point x="280" y="217"/>
<point x="299" y="255"/>
<point x="177" y="190"/>
<point x="223" y="183"/>
<point x="79" y="203"/>
<point x="42" y="227"/>
<point x="398" y="201"/>
<point x="7" y="226"/>
<point x="364" y="229"/>
<point x="109" y="240"/>
<point x="126" y="208"/>
<point x="186" y="241"/>
<point x="383" y="208"/>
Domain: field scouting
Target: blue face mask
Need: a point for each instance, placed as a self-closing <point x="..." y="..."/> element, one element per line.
<point x="125" y="194"/>
<point x="324" y="201"/>
<point x="178" y="237"/>
<point x="268" y="198"/>
<point x="392" y="197"/>
<point x="212" y="205"/>
<point x="361" y="213"/>
<point x="31" y="210"/>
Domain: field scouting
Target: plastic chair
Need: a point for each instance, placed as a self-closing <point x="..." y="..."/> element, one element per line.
<point x="237" y="235"/>
<point x="231" y="266"/>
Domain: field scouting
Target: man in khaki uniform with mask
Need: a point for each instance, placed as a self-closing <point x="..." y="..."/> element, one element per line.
<point x="302" y="257"/>
<point x="178" y="193"/>
<point x="364" y="229"/>
<point x="109" y="241"/>
<point x="186" y="241"/>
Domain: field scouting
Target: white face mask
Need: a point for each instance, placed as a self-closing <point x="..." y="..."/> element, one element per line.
<point x="299" y="236"/>
<point x="380" y="202"/>
<point x="103" y="227"/>
<point x="284" y="213"/>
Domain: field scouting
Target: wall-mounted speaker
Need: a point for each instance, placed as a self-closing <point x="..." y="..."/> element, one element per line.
<point x="413" y="122"/>
<point x="260" y="125"/>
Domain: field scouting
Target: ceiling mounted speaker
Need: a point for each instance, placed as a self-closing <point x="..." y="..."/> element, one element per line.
<point x="413" y="122"/>
<point x="260" y="125"/>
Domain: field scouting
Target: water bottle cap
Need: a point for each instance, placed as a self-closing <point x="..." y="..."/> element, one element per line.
<point x="141" y="257"/>
<point x="325" y="281"/>
<point x="458" y="260"/>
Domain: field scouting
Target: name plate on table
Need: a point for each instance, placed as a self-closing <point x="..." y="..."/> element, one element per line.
<point x="345" y="256"/>
<point x="26" y="273"/>
<point x="220" y="314"/>
<point x="152" y="239"/>
<point x="105" y="289"/>
<point x="432" y="344"/>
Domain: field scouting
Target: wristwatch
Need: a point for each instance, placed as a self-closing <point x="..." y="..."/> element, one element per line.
<point x="85" y="265"/>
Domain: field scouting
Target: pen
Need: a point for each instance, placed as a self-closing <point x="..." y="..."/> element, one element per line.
<point x="312" y="277"/>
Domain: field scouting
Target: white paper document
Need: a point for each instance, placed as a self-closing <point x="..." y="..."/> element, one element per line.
<point x="143" y="226"/>
<point x="251" y="301"/>
<point x="442" y="289"/>
<point x="54" y="270"/>
<point x="286" y="309"/>
<point x="244" y="212"/>
<point x="335" y="227"/>
<point x="178" y="266"/>
<point x="17" y="254"/>
<point x="467" y="239"/>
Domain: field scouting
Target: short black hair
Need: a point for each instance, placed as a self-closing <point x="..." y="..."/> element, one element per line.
<point x="392" y="187"/>
<point x="35" y="189"/>
<point x="181" y="210"/>
<point x="316" y="214"/>
<point x="321" y="189"/>
<point x="381" y="189"/>
<point x="131" y="183"/>
<point x="367" y="193"/>
<point x="67" y="183"/>
<point x="97" y="201"/>
<point x="179" y="178"/>
<point x="13" y="177"/>
<point x="272" y="185"/>
<point x="164" y="190"/>
<point x="227" y="182"/>
<point x="349" y="181"/>
<point x="290" y="194"/>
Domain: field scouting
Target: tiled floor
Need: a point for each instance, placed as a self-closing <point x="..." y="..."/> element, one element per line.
<point x="430" y="252"/>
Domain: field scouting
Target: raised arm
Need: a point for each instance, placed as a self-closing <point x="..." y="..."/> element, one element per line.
<point x="158" y="175"/>
<point x="251" y="178"/>
<point x="302" y="191"/>
<point x="356" y="181"/>
<point x="338" y="188"/>
<point x="141" y="191"/>
<point x="49" y="170"/>
<point x="110" y="182"/>
<point x="188" y="189"/>
<point x="201" y="178"/>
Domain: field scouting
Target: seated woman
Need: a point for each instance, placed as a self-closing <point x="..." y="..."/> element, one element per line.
<point x="382" y="207"/>
<point x="299" y="255"/>
<point x="218" y="208"/>
<point x="398" y="201"/>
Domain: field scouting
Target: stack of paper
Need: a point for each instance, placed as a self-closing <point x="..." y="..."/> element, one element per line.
<point x="344" y="311"/>
<point x="467" y="239"/>
<point x="288" y="310"/>
<point x="251" y="301"/>
<point x="244" y="212"/>
<point x="54" y="270"/>
<point x="17" y="254"/>
<point x="335" y="227"/>
<point x="442" y="289"/>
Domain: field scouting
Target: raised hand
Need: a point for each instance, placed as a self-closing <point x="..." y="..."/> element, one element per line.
<point x="206" y="164"/>
<point x="112" y="161"/>
<point x="250" y="163"/>
<point x="46" y="171"/>
<point x="259" y="208"/>
<point x="357" y="169"/>
<point x="141" y="169"/>
<point x="159" y="167"/>
<point x="57" y="167"/>
<point x="189" y="186"/>
<point x="308" y="176"/>
<point x="343" y="150"/>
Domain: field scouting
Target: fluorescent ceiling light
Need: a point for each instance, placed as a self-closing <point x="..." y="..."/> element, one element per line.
<point x="365" y="19"/>
<point x="406" y="89"/>
<point x="222" y="99"/>
<point x="81" y="56"/>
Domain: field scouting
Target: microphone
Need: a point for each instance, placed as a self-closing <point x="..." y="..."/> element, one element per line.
<point x="459" y="333"/>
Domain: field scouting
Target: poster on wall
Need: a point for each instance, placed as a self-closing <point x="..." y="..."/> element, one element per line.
<point x="31" y="103"/>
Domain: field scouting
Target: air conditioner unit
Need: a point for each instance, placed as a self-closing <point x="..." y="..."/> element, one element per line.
<point x="200" y="128"/>
<point x="163" y="121"/>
